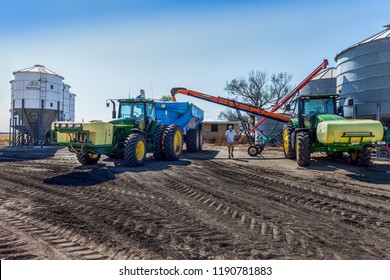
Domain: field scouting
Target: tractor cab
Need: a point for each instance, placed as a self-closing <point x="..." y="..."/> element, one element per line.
<point x="313" y="109"/>
<point x="139" y="113"/>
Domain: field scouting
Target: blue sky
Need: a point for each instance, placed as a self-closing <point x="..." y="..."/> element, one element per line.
<point x="108" y="49"/>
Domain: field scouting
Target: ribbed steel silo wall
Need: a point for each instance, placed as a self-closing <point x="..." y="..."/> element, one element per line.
<point x="268" y="129"/>
<point x="363" y="74"/>
<point x="320" y="86"/>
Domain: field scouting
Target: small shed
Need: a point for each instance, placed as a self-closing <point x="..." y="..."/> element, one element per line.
<point x="214" y="131"/>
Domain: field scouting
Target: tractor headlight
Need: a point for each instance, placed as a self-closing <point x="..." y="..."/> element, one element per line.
<point x="70" y="125"/>
<point x="63" y="125"/>
<point x="57" y="125"/>
<point x="77" y="125"/>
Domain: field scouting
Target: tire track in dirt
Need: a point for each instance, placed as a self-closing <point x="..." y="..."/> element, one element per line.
<point x="319" y="199"/>
<point x="170" y="235"/>
<point x="277" y="192"/>
<point x="73" y="216"/>
<point x="251" y="224"/>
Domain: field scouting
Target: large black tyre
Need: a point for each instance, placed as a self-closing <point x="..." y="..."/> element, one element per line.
<point x="88" y="158"/>
<point x="192" y="140"/>
<point x="200" y="139"/>
<point x="158" y="153"/>
<point x="173" y="142"/>
<point x="288" y="148"/>
<point x="135" y="150"/>
<point x="361" y="158"/>
<point x="303" y="148"/>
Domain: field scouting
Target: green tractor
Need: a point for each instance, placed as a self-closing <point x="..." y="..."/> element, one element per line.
<point x="142" y="126"/>
<point x="317" y="127"/>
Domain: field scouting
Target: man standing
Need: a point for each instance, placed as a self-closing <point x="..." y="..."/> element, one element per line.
<point x="229" y="137"/>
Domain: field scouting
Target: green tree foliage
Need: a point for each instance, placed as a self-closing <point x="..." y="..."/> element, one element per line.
<point x="165" y="98"/>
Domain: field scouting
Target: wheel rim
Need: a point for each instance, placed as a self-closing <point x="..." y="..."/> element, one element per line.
<point x="285" y="140"/>
<point x="252" y="151"/>
<point x="93" y="155"/>
<point x="177" y="142"/>
<point x="140" y="150"/>
<point x="354" y="155"/>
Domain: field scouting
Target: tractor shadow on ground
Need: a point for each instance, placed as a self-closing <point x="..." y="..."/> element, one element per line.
<point x="26" y="153"/>
<point x="374" y="174"/>
<point x="202" y="155"/>
<point x="88" y="176"/>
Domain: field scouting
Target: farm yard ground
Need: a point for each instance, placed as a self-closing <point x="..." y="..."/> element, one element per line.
<point x="204" y="206"/>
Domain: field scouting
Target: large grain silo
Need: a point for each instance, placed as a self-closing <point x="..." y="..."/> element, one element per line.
<point x="323" y="83"/>
<point x="363" y="77"/>
<point x="37" y="99"/>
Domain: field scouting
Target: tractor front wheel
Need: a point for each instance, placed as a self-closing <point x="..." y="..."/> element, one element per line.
<point x="361" y="157"/>
<point x="88" y="158"/>
<point x="303" y="148"/>
<point x="288" y="148"/>
<point x="135" y="150"/>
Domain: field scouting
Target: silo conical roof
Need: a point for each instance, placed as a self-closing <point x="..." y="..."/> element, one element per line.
<point x="384" y="34"/>
<point x="38" y="69"/>
<point x="328" y="73"/>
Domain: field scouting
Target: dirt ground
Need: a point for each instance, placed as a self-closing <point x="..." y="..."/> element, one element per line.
<point x="204" y="206"/>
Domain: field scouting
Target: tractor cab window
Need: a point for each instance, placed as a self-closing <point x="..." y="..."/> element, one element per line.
<point x="132" y="110"/>
<point x="318" y="106"/>
<point x="150" y="112"/>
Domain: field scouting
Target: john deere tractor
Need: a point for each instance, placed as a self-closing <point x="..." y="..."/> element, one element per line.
<point x="135" y="132"/>
<point x="317" y="127"/>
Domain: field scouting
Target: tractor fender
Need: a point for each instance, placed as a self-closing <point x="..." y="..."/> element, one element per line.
<point x="136" y="130"/>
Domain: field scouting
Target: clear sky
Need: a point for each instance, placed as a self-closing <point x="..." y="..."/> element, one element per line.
<point x="110" y="49"/>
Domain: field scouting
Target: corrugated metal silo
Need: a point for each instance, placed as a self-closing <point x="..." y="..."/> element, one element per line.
<point x="72" y="107"/>
<point x="323" y="83"/>
<point x="37" y="99"/>
<point x="363" y="76"/>
<point x="269" y="128"/>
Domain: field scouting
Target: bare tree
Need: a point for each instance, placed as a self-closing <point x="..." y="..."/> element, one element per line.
<point x="257" y="90"/>
<point x="232" y="116"/>
<point x="280" y="86"/>
<point x="252" y="90"/>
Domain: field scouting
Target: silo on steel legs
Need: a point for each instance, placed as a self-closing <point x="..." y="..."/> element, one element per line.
<point x="37" y="95"/>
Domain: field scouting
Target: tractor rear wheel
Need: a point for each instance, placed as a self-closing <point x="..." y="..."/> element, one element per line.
<point x="173" y="142"/>
<point x="88" y="158"/>
<point x="192" y="140"/>
<point x="158" y="153"/>
<point x="135" y="150"/>
<point x="303" y="148"/>
<point x="288" y="148"/>
<point x="361" y="158"/>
